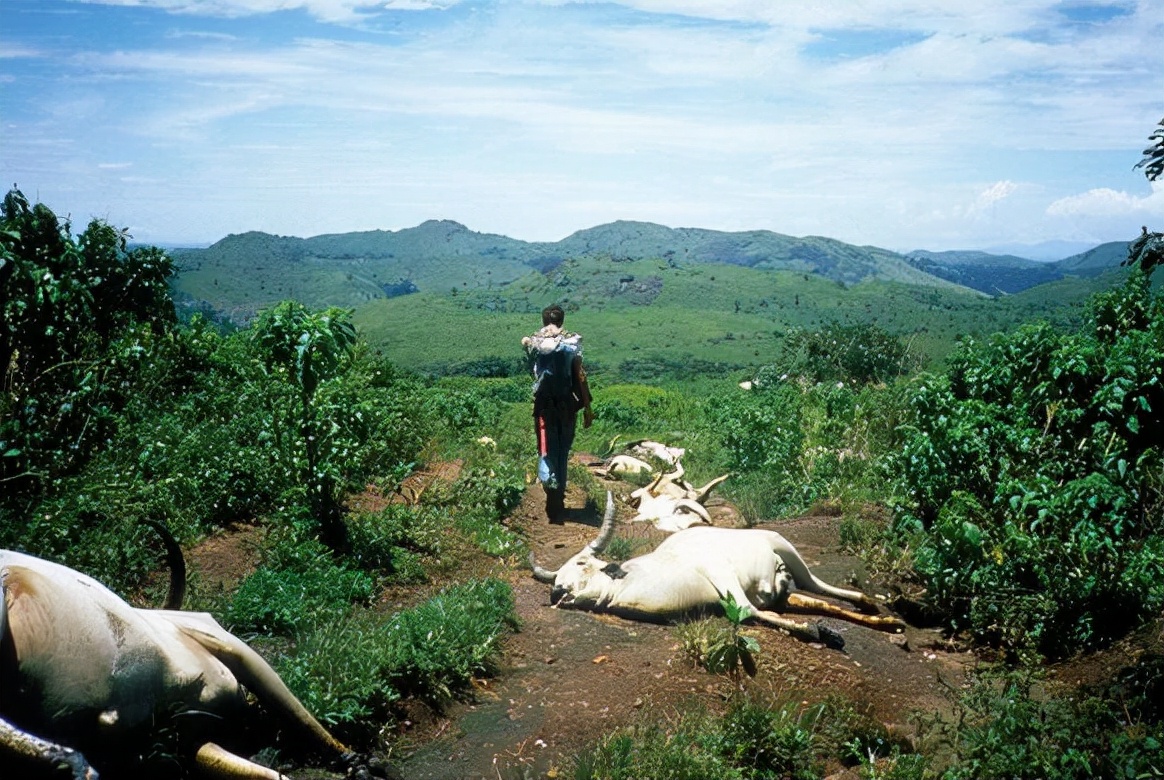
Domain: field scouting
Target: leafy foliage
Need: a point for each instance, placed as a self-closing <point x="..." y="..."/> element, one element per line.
<point x="1032" y="472"/>
<point x="309" y="349"/>
<point x="1009" y="729"/>
<point x="82" y="320"/>
<point x="1153" y="159"/>
<point x="719" y="648"/>
<point x="860" y="354"/>
<point x="751" y="741"/>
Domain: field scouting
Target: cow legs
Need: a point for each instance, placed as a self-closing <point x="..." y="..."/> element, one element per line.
<point x="256" y="674"/>
<point x="806" y="580"/>
<point x="219" y="764"/>
<point x="20" y="746"/>
<point x="801" y="602"/>
<point x="804" y="631"/>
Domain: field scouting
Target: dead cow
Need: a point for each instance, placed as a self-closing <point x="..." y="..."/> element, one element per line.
<point x="670" y="503"/>
<point x="694" y="569"/>
<point x="84" y="673"/>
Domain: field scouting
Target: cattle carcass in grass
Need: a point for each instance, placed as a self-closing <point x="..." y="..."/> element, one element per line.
<point x="693" y="570"/>
<point x="85" y="676"/>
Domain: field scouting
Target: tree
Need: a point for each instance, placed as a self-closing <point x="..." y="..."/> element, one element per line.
<point x="1147" y="251"/>
<point x="308" y="349"/>
<point x="78" y="319"/>
<point x="1153" y="160"/>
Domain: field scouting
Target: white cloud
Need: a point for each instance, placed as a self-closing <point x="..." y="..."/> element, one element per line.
<point x="992" y="195"/>
<point x="1104" y="202"/>
<point x="547" y="116"/>
<point x="338" y="11"/>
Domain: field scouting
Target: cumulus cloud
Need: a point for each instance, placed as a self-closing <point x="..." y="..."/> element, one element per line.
<point x="1105" y="202"/>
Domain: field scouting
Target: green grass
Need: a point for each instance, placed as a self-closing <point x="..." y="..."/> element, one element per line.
<point x="693" y="318"/>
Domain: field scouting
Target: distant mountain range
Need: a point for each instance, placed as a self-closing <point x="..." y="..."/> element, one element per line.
<point x="242" y="273"/>
<point x="1008" y="274"/>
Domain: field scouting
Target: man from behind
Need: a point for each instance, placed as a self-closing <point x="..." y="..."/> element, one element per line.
<point x="559" y="392"/>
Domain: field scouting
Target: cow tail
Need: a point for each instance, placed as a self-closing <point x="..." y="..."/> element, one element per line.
<point x="177" y="563"/>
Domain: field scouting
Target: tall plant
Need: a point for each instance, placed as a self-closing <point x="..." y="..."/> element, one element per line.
<point x="308" y="349"/>
<point x="79" y="319"/>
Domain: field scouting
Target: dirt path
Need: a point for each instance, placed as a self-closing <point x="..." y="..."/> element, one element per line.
<point x="570" y="677"/>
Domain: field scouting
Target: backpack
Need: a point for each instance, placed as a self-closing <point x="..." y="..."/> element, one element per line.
<point x="554" y="376"/>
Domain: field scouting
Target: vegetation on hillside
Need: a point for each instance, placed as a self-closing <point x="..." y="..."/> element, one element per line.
<point x="1013" y="487"/>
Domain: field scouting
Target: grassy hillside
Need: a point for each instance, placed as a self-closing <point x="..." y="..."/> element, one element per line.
<point x="438" y="296"/>
<point x="244" y="273"/>
<point x="1095" y="261"/>
<point x="993" y="274"/>
<point x="646" y="312"/>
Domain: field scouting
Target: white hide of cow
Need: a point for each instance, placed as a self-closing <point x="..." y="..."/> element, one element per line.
<point x="88" y="673"/>
<point x="694" y="569"/>
<point x="669" y="455"/>
<point x="626" y="464"/>
<point x="671" y="504"/>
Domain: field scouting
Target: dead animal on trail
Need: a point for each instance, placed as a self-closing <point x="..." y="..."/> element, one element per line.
<point x="692" y="570"/>
<point x="636" y="457"/>
<point x="672" y="504"/>
<point x="621" y="464"/>
<point x="85" y="677"/>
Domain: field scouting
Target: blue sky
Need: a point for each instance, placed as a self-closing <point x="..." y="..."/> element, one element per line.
<point x="905" y="124"/>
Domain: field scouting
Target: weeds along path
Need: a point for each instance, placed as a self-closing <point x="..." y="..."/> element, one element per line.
<point x="568" y="678"/>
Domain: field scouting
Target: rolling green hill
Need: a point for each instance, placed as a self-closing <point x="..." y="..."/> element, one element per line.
<point x="643" y="318"/>
<point x="243" y="273"/>
<point x="1095" y="261"/>
<point x="651" y="299"/>
<point x="992" y="274"/>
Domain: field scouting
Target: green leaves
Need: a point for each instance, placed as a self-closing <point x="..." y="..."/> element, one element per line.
<point x="1032" y="466"/>
<point x="69" y="308"/>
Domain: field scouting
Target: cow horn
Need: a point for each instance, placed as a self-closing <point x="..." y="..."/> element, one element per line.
<point x="540" y="574"/>
<point x="607" y="531"/>
<point x="694" y="507"/>
<point x="702" y="494"/>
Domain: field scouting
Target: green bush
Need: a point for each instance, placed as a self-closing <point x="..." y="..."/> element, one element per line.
<point x="1011" y="728"/>
<point x="299" y="585"/>
<point x="769" y="743"/>
<point x="1032" y="471"/>
<point x="83" y="319"/>
<point x="860" y="354"/>
<point x="396" y="539"/>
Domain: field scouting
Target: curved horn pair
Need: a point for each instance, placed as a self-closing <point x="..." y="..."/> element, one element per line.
<point x="605" y="533"/>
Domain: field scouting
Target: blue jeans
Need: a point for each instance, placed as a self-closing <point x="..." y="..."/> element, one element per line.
<point x="555" y="436"/>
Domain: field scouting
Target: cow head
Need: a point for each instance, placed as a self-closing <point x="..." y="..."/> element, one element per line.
<point x="581" y="581"/>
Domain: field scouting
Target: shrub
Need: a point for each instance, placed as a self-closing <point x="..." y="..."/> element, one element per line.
<point x="1032" y="471"/>
<point x="1010" y="728"/>
<point x="299" y="585"/>
<point x="395" y="539"/>
<point x="861" y="354"/>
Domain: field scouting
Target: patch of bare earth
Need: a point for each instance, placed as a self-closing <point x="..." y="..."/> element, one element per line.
<point x="568" y="678"/>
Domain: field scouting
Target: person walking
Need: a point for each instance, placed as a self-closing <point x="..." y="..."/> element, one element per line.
<point x="560" y="390"/>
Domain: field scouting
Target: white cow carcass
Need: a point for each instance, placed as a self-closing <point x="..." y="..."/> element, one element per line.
<point x="84" y="675"/>
<point x="694" y="569"/>
<point x="672" y="504"/>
